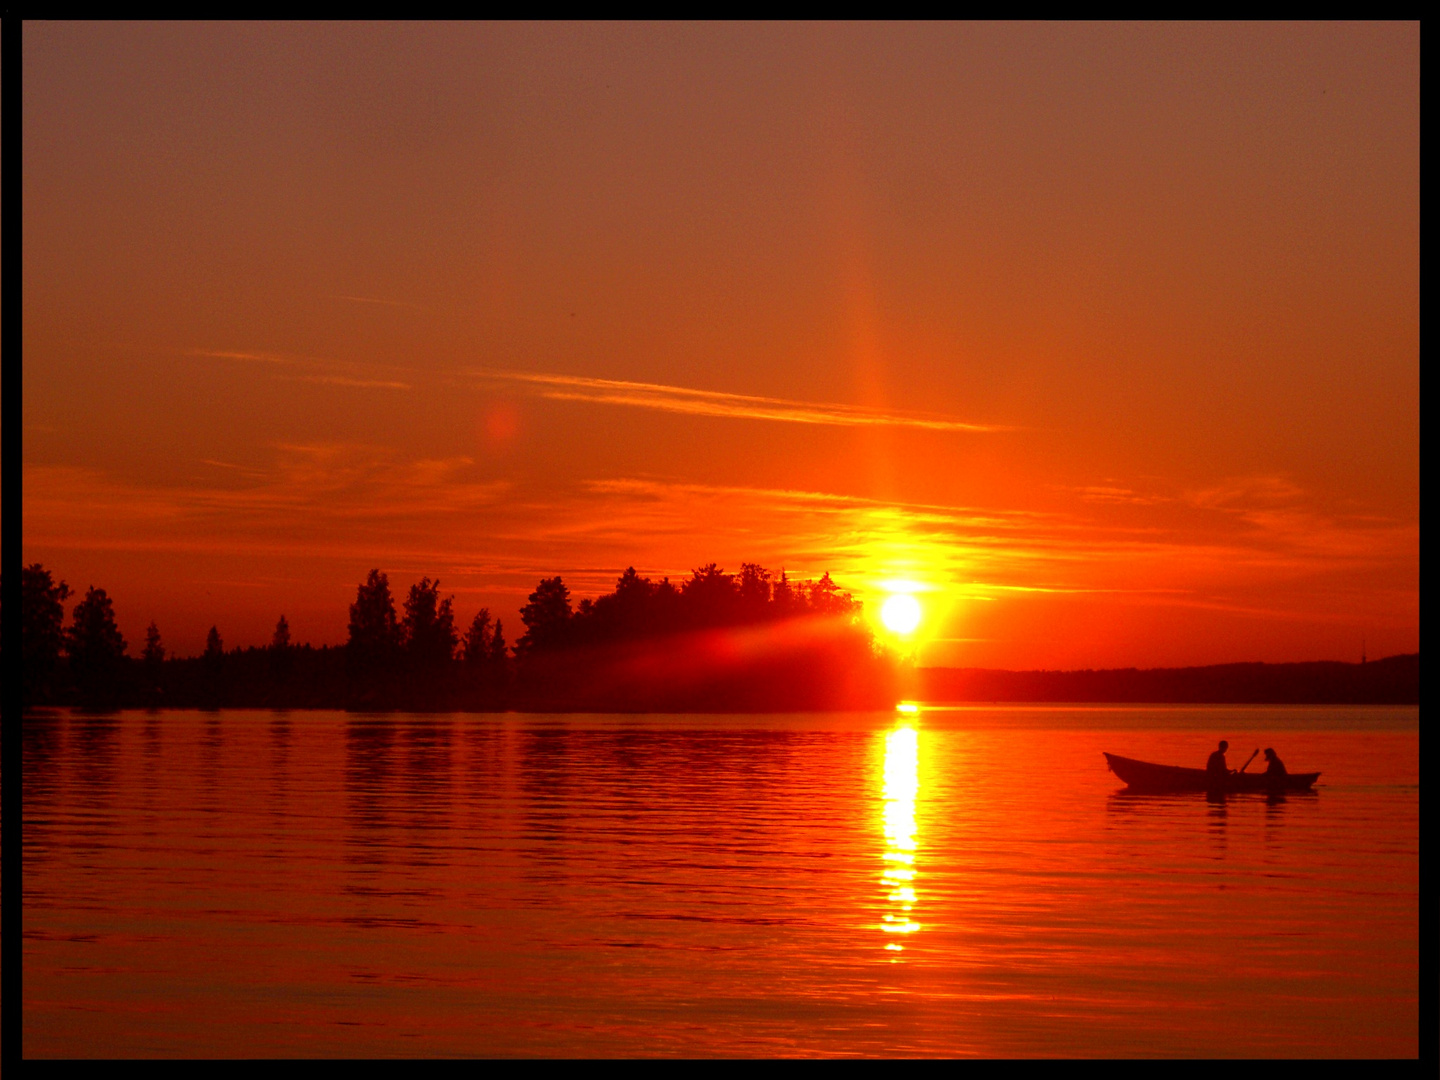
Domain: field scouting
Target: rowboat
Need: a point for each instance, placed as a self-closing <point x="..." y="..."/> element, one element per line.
<point x="1144" y="776"/>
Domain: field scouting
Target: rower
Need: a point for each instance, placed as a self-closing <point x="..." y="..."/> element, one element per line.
<point x="1276" y="766"/>
<point x="1216" y="766"/>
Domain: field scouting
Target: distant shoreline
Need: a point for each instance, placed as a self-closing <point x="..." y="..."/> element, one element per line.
<point x="1395" y="680"/>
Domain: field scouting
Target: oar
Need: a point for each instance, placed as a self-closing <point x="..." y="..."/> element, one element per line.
<point x="1249" y="759"/>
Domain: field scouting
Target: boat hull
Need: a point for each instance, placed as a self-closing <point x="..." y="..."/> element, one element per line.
<point x="1146" y="776"/>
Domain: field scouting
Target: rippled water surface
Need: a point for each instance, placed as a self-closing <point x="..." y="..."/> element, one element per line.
<point x="960" y="881"/>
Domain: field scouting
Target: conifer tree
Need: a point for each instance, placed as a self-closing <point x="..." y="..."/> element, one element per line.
<point x="42" y="631"/>
<point x="476" y="649"/>
<point x="783" y="598"/>
<point x="153" y="654"/>
<point x="374" y="641"/>
<point x="213" y="667"/>
<point x="96" y="649"/>
<point x="152" y="659"/>
<point x="546" y="617"/>
<point x="428" y="632"/>
<point x="499" y="656"/>
<point x="282" y="655"/>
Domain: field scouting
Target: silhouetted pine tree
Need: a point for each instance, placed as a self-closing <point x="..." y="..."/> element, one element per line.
<point x="475" y="650"/>
<point x="475" y="657"/>
<point x="752" y="590"/>
<point x="42" y="632"/>
<point x="497" y="673"/>
<point x="546" y="618"/>
<point x="827" y="599"/>
<point x="374" y="643"/>
<point x="152" y="664"/>
<point x="784" y="600"/>
<point x="212" y="665"/>
<point x="97" y="651"/>
<point x="710" y="598"/>
<point x="428" y="641"/>
<point x="282" y="662"/>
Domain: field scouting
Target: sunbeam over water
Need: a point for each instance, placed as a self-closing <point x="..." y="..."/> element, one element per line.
<point x="900" y="788"/>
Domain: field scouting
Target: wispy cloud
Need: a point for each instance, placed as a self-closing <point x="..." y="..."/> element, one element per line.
<point x="312" y="369"/>
<point x="344" y="380"/>
<point x="1246" y="493"/>
<point x="1275" y="514"/>
<point x="684" y="399"/>
<point x="334" y="497"/>
<point x="1113" y="493"/>
<point x="254" y="357"/>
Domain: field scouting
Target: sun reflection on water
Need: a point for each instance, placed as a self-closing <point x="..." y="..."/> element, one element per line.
<point x="898" y="877"/>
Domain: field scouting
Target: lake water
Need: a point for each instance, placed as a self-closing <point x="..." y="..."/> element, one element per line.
<point x="963" y="881"/>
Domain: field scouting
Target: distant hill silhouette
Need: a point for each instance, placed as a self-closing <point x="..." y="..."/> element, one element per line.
<point x="1394" y="680"/>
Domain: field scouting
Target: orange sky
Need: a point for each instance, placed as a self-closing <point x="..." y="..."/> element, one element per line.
<point x="1106" y="338"/>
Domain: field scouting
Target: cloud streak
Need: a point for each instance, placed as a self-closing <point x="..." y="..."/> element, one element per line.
<point x="342" y="380"/>
<point x="684" y="399"/>
<point x="325" y="376"/>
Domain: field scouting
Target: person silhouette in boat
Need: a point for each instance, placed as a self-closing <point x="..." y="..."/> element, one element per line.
<point x="1275" y="771"/>
<point x="1216" y="766"/>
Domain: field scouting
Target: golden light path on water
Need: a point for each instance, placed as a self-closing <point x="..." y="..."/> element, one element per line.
<point x="901" y="783"/>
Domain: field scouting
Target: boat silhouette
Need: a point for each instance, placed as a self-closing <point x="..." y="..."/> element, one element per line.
<point x="1147" y="776"/>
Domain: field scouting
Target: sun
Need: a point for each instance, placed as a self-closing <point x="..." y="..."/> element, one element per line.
<point x="901" y="613"/>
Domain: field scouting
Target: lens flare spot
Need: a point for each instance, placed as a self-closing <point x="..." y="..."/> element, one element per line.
<point x="500" y="423"/>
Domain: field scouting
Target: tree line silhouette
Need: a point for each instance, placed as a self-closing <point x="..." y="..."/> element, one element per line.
<point x="716" y="641"/>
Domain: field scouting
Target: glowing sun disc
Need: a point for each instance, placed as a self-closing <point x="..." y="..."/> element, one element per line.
<point x="901" y="613"/>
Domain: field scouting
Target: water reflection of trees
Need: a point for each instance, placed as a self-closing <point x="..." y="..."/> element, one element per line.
<point x="427" y="780"/>
<point x="398" y="775"/>
<point x="151" y="746"/>
<point x="483" y="769"/>
<point x="42" y="747"/>
<point x="655" y="793"/>
<point x="369" y="767"/>
<point x="280" y="738"/>
<point x="545" y="774"/>
<point x="94" y="746"/>
<point x="211" y="763"/>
